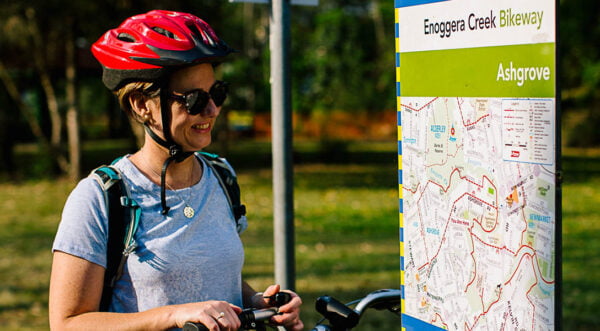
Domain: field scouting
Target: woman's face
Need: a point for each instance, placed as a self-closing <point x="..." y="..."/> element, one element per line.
<point x="192" y="132"/>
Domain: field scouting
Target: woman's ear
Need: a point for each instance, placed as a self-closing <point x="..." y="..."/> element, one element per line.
<point x="141" y="107"/>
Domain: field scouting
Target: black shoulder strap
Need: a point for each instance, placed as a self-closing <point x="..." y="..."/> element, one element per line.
<point x="123" y="218"/>
<point x="228" y="182"/>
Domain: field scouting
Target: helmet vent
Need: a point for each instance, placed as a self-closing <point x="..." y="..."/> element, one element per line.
<point x="165" y="33"/>
<point x="200" y="34"/>
<point x="194" y="29"/>
<point x="126" y="37"/>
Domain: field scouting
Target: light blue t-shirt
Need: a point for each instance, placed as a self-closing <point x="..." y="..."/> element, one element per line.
<point x="178" y="260"/>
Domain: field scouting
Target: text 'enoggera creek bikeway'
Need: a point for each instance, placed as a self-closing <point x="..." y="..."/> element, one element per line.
<point x="505" y="18"/>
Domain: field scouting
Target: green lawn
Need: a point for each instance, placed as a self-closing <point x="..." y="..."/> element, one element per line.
<point x="346" y="233"/>
<point x="581" y="244"/>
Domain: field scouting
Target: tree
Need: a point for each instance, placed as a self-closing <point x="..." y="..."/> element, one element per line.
<point x="342" y="59"/>
<point x="580" y="69"/>
<point x="23" y="35"/>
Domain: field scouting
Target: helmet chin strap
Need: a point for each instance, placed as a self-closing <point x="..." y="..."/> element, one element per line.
<point x="176" y="152"/>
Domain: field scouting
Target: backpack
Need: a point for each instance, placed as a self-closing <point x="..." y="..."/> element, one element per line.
<point x="124" y="215"/>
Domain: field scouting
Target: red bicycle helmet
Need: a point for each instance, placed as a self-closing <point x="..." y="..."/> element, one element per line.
<point x="146" y="47"/>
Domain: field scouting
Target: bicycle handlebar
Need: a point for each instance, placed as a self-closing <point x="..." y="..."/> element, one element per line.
<point x="336" y="312"/>
<point x="342" y="317"/>
<point x="382" y="299"/>
<point x="250" y="317"/>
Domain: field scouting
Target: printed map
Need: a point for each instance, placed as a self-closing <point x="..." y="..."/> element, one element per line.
<point x="478" y="191"/>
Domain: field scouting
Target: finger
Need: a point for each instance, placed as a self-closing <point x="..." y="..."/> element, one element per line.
<point x="290" y="321"/>
<point x="292" y="305"/>
<point x="237" y="310"/>
<point x="208" y="321"/>
<point x="228" y="317"/>
<point x="298" y="327"/>
<point x="271" y="290"/>
<point x="225" y="321"/>
<point x="286" y="318"/>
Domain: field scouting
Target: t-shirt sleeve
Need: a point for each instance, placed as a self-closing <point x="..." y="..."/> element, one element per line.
<point x="83" y="229"/>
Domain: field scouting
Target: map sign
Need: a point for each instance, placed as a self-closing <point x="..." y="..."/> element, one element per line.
<point x="477" y="164"/>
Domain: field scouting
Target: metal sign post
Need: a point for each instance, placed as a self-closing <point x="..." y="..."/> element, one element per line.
<point x="281" y="124"/>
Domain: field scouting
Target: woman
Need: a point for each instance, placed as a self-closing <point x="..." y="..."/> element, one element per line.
<point x="188" y="259"/>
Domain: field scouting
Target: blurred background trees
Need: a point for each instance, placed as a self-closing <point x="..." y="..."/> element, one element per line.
<point x="580" y="71"/>
<point x="343" y="61"/>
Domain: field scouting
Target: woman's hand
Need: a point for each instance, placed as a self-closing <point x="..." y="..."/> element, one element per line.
<point x="290" y="312"/>
<point x="215" y="315"/>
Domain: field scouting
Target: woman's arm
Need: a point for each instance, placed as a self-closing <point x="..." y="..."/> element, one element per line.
<point x="75" y="292"/>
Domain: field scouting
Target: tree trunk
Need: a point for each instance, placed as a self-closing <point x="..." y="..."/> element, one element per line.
<point x="378" y="23"/>
<point x="45" y="81"/>
<point x="36" y="129"/>
<point x="7" y="141"/>
<point x="72" y="111"/>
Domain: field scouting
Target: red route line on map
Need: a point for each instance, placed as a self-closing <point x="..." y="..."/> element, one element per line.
<point x="533" y="256"/>
<point x="435" y="317"/>
<point x="484" y="178"/>
<point x="463" y="119"/>
<point x="529" y="291"/>
<point x="474" y="262"/>
<point x="459" y="109"/>
<point x="524" y="197"/>
<point x="483" y="228"/>
<point x="485" y="311"/>
<point x="418" y="110"/>
<point x="448" y="223"/>
<point x="455" y="170"/>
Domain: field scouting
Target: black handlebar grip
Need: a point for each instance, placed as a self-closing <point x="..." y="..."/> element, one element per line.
<point x="189" y="326"/>
<point x="279" y="299"/>
<point x="249" y="317"/>
<point x="336" y="312"/>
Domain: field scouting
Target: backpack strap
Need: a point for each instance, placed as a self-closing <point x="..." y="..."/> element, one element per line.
<point x="123" y="219"/>
<point x="228" y="181"/>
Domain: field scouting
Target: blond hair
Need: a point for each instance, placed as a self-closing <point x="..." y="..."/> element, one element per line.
<point x="127" y="93"/>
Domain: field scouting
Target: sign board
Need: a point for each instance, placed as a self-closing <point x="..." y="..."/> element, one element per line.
<point x="477" y="133"/>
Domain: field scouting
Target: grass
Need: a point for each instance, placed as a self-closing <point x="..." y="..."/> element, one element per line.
<point x="346" y="232"/>
<point x="581" y="226"/>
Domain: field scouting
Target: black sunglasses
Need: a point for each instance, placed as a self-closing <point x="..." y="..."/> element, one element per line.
<point x="195" y="101"/>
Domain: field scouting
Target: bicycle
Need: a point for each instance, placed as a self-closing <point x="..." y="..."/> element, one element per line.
<point x="342" y="317"/>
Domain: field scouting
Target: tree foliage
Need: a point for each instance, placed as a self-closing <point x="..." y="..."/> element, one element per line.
<point x="580" y="70"/>
<point x="346" y="62"/>
<point x="342" y="59"/>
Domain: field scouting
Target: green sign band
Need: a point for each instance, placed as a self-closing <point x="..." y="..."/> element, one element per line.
<point x="500" y="71"/>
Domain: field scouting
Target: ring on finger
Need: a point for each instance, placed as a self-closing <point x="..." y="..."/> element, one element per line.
<point x="221" y="315"/>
